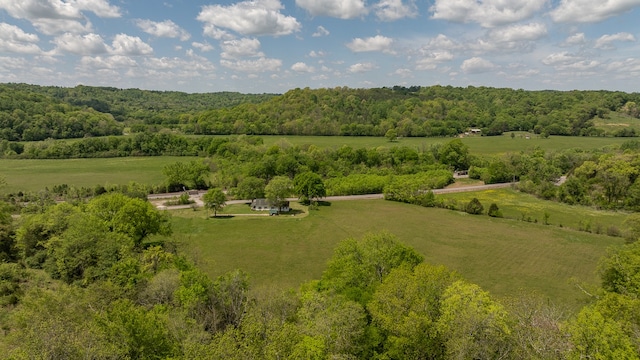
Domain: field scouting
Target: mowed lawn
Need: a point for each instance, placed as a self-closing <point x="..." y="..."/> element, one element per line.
<point x="505" y="257"/>
<point x="35" y="175"/>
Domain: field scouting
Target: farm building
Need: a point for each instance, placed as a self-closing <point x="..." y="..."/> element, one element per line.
<point x="266" y="205"/>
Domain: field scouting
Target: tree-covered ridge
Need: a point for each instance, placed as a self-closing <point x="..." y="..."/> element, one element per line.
<point x="418" y="111"/>
<point x="31" y="112"/>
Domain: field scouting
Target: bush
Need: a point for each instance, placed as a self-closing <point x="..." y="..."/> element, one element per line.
<point x="474" y="207"/>
<point x="494" y="211"/>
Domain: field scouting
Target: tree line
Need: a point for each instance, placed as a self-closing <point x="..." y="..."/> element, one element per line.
<point x="30" y="112"/>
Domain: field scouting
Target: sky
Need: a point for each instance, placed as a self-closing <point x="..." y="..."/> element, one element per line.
<point x="272" y="46"/>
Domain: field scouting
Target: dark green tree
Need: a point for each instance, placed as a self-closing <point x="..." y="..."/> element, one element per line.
<point x="474" y="207"/>
<point x="309" y="186"/>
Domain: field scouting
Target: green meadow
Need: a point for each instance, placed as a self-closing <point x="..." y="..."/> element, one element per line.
<point x="35" y="175"/>
<point x="520" y="206"/>
<point x="503" y="256"/>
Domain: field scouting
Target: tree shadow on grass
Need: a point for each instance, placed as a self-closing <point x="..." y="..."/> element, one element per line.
<point x="221" y="217"/>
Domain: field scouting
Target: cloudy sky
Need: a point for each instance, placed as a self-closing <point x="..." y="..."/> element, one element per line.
<point x="258" y="46"/>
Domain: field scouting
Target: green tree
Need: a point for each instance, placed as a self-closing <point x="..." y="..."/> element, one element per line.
<point x="309" y="186"/>
<point x="134" y="217"/>
<point x="455" y="154"/>
<point x="214" y="199"/>
<point x="358" y="266"/>
<point x="597" y="337"/>
<point x="391" y="135"/>
<point x="474" y="207"/>
<point x="472" y="324"/>
<point x="620" y="270"/>
<point x="192" y="175"/>
<point x="406" y="308"/>
<point x="278" y="189"/>
<point x="250" y="187"/>
<point x="494" y="211"/>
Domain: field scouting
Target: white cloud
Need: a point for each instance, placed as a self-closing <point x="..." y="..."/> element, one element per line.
<point x="57" y="16"/>
<point x="533" y="31"/>
<point x="320" y="31"/>
<point x="431" y="59"/>
<point x="218" y="34"/>
<point x="476" y="65"/>
<point x="560" y="58"/>
<point x="392" y="10"/>
<point x="89" y="44"/>
<point x="588" y="11"/>
<point x="60" y="26"/>
<point x="575" y="39"/>
<point x="361" y="67"/>
<point x="301" y="67"/>
<point x="167" y="29"/>
<point x="258" y="65"/>
<point x="605" y="41"/>
<point x="341" y="9"/>
<point x="376" y="43"/>
<point x="487" y="13"/>
<point x="15" y="40"/>
<point x="627" y="67"/>
<point x="109" y="62"/>
<point x="130" y="45"/>
<point x="234" y="49"/>
<point x="403" y="73"/>
<point x="256" y="17"/>
<point x="315" y="54"/>
<point x="204" y="47"/>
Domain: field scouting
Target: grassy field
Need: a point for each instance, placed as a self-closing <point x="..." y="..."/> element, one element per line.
<point x="521" y="206"/>
<point x="617" y="121"/>
<point x="35" y="175"/>
<point x="483" y="145"/>
<point x="501" y="255"/>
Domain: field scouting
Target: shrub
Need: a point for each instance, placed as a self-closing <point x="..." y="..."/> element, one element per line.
<point x="474" y="207"/>
<point x="494" y="211"/>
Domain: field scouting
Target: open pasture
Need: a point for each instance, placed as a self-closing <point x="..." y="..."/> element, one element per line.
<point x="35" y="175"/>
<point x="481" y="145"/>
<point x="520" y="206"/>
<point x="503" y="256"/>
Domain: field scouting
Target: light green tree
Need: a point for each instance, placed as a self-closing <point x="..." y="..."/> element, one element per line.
<point x="597" y="337"/>
<point x="214" y="199"/>
<point x="391" y="135"/>
<point x="406" y="307"/>
<point x="278" y="189"/>
<point x="472" y="324"/>
<point x="358" y="266"/>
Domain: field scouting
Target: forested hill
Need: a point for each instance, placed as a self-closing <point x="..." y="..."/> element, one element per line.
<point x="419" y="111"/>
<point x="30" y="112"/>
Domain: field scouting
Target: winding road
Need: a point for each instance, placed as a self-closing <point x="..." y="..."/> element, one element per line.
<point x="158" y="199"/>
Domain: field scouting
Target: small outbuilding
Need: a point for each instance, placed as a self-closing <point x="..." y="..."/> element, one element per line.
<point x="266" y="205"/>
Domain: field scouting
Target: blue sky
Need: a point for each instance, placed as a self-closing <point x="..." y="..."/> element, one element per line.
<point x="272" y="46"/>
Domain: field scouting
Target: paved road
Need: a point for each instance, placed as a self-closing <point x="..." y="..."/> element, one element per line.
<point x="156" y="198"/>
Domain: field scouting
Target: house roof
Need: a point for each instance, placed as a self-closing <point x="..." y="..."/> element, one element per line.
<point x="264" y="203"/>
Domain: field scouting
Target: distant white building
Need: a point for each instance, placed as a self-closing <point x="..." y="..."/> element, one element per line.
<point x="266" y="205"/>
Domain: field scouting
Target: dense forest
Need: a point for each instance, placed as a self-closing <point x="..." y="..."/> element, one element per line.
<point x="29" y="112"/>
